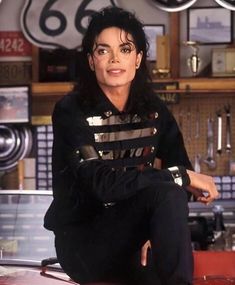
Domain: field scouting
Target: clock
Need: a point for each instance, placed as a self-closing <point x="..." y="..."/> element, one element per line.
<point x="223" y="62"/>
<point x="173" y="5"/>
<point x="228" y="4"/>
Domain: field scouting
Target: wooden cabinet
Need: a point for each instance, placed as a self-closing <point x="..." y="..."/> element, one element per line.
<point x="44" y="96"/>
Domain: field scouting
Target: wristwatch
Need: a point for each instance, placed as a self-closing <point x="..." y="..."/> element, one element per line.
<point x="179" y="175"/>
<point x="173" y="5"/>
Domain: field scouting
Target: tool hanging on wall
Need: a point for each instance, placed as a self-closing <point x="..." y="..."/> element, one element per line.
<point x="228" y="128"/>
<point x="180" y="119"/>
<point x="210" y="161"/>
<point x="197" y="123"/>
<point x="197" y="163"/>
<point x="189" y="125"/>
<point x="219" y="132"/>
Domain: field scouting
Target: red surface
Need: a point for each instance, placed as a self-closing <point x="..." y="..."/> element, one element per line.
<point x="217" y="263"/>
<point x="214" y="268"/>
<point x="28" y="276"/>
<point x="211" y="268"/>
<point x="214" y="281"/>
<point x="33" y="276"/>
<point x="13" y="43"/>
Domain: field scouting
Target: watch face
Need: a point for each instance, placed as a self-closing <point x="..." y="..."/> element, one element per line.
<point x="173" y="5"/>
<point x="229" y="4"/>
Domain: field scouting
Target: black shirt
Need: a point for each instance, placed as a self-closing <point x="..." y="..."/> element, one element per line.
<point x="127" y="144"/>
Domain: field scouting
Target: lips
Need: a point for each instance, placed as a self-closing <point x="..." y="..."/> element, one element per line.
<point x="116" y="71"/>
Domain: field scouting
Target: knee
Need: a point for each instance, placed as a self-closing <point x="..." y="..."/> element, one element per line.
<point x="173" y="196"/>
<point x="168" y="196"/>
<point x="177" y="192"/>
<point x="177" y="201"/>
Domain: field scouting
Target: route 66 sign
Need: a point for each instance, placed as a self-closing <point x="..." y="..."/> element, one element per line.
<point x="58" y="23"/>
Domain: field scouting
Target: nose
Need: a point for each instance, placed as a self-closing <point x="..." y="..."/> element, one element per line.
<point x="114" y="57"/>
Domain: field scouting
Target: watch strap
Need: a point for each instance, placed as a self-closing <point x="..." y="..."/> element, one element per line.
<point x="179" y="175"/>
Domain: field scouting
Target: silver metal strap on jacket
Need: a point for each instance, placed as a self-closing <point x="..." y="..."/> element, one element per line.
<point x="110" y="204"/>
<point x="87" y="152"/>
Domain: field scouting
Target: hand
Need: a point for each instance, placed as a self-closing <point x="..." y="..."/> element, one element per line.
<point x="202" y="187"/>
<point x="144" y="253"/>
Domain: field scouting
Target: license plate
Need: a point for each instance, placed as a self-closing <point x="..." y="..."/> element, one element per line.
<point x="15" y="72"/>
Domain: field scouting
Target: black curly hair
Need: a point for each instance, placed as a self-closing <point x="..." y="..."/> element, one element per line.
<point x="128" y="22"/>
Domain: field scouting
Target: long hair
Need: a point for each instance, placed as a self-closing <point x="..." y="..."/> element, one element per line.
<point x="140" y="89"/>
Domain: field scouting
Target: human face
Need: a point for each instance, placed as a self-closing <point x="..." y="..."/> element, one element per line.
<point x="114" y="59"/>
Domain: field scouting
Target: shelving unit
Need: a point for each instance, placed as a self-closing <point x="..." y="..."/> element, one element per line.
<point x="193" y="85"/>
<point x="186" y="85"/>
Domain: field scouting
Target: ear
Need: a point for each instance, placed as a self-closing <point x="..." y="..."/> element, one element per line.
<point x="139" y="59"/>
<point x="90" y="61"/>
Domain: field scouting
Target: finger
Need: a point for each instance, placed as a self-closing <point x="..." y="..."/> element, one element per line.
<point x="211" y="194"/>
<point x="205" y="199"/>
<point x="144" y="253"/>
<point x="196" y="192"/>
<point x="200" y="199"/>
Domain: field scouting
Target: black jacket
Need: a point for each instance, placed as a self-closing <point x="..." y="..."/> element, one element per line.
<point x="127" y="145"/>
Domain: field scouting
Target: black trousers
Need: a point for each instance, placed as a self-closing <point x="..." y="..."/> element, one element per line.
<point x="107" y="247"/>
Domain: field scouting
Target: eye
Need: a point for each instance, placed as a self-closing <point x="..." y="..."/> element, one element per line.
<point x="102" y="51"/>
<point x="126" y="49"/>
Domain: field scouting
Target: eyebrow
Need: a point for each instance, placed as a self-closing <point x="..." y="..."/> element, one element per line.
<point x="107" y="45"/>
<point x="101" y="44"/>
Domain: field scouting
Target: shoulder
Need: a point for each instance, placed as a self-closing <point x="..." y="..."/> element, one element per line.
<point x="67" y="108"/>
<point x="68" y="103"/>
<point x="68" y="100"/>
<point x="158" y="105"/>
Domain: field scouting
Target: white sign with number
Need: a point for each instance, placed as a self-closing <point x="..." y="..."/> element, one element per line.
<point x="58" y="23"/>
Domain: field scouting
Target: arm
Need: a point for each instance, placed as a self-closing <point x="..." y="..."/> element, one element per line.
<point x="172" y="149"/>
<point x="94" y="177"/>
<point x="201" y="186"/>
<point x="109" y="185"/>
